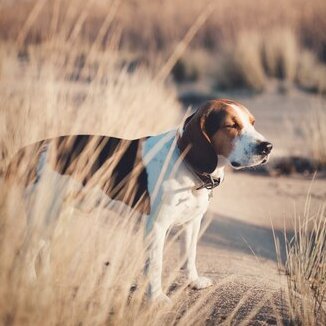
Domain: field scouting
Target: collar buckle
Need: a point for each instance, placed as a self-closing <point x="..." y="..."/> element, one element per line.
<point x="210" y="183"/>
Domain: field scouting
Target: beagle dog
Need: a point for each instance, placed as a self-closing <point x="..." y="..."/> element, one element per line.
<point x="167" y="178"/>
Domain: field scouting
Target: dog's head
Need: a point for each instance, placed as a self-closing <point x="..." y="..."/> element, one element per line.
<point x="223" y="128"/>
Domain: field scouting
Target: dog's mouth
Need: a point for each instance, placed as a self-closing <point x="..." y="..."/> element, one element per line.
<point x="237" y="165"/>
<point x="265" y="160"/>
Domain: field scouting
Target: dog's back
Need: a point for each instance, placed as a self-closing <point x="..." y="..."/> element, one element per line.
<point x="111" y="164"/>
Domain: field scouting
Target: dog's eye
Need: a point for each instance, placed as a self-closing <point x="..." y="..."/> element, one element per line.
<point x="234" y="126"/>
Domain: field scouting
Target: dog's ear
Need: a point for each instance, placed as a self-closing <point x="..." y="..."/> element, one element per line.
<point x="187" y="120"/>
<point x="196" y="144"/>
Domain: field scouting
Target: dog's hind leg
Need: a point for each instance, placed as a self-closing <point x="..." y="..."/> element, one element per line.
<point x="44" y="201"/>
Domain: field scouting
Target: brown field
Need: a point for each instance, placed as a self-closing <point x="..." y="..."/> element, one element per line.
<point x="160" y="24"/>
<point x="128" y="69"/>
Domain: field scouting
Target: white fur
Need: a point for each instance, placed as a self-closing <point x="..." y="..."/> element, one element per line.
<point x="174" y="201"/>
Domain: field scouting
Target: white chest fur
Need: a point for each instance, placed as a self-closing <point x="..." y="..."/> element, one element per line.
<point x="171" y="185"/>
<point x="183" y="206"/>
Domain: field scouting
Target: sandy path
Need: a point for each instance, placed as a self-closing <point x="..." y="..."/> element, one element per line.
<point x="237" y="250"/>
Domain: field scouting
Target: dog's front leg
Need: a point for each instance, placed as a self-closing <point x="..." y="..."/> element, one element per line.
<point x="189" y="248"/>
<point x="155" y="263"/>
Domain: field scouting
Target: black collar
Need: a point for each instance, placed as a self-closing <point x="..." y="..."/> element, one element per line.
<point x="209" y="182"/>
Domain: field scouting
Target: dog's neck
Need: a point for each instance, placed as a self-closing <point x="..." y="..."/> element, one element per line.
<point x="219" y="171"/>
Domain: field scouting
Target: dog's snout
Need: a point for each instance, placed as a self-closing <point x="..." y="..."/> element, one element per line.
<point x="264" y="148"/>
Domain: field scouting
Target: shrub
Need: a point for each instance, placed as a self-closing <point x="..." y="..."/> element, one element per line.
<point x="280" y="53"/>
<point x="240" y="64"/>
<point x="252" y="58"/>
<point x="315" y="130"/>
<point x="311" y="74"/>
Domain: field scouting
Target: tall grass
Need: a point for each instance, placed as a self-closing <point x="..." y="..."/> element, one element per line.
<point x="56" y="88"/>
<point x="96" y="256"/>
<point x="315" y="133"/>
<point x="252" y="58"/>
<point x="157" y="25"/>
<point x="285" y="40"/>
<point x="94" y="275"/>
<point x="306" y="269"/>
<point x="280" y="53"/>
<point x="240" y="64"/>
<point x="46" y="95"/>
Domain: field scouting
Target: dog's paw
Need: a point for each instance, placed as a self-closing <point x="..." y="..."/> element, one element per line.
<point x="161" y="300"/>
<point x="201" y="283"/>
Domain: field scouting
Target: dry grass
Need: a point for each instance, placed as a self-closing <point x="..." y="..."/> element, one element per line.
<point x="85" y="274"/>
<point x="39" y="97"/>
<point x="247" y="50"/>
<point x="280" y="54"/>
<point x="59" y="88"/>
<point x="195" y="65"/>
<point x="306" y="268"/>
<point x="252" y="58"/>
<point x="161" y="25"/>
<point x="240" y="64"/>
<point x="311" y="74"/>
<point x="95" y="260"/>
<point x="316" y="134"/>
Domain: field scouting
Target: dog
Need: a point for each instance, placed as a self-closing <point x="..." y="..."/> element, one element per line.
<point x="167" y="178"/>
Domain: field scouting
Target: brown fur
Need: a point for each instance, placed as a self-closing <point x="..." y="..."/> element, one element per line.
<point x="222" y="139"/>
<point x="112" y="164"/>
<point x="210" y="132"/>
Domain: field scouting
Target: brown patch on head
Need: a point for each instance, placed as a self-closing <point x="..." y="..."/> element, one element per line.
<point x="223" y="125"/>
<point x="251" y="118"/>
<point x="211" y="131"/>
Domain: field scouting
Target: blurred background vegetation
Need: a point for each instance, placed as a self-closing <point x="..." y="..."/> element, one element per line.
<point x="237" y="44"/>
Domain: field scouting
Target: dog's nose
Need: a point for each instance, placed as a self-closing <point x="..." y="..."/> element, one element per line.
<point x="265" y="147"/>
